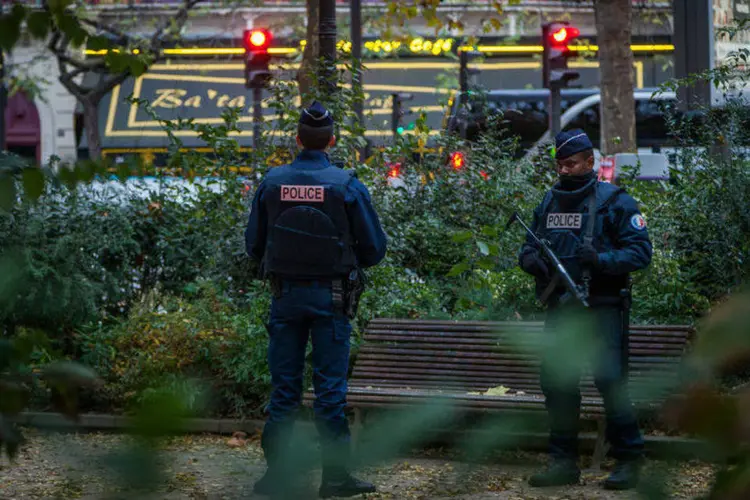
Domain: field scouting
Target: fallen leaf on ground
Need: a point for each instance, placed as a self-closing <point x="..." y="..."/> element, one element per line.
<point x="236" y="443"/>
<point x="500" y="390"/>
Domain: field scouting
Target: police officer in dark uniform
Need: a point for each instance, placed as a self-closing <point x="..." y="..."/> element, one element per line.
<point x="312" y="226"/>
<point x="599" y="252"/>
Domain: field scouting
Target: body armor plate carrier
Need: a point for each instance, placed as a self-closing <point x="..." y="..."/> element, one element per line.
<point x="309" y="235"/>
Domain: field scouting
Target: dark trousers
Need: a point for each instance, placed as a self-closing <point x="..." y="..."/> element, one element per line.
<point x="577" y="338"/>
<point x="306" y="311"/>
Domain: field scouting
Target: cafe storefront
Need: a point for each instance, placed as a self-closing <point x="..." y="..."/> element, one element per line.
<point x="202" y="90"/>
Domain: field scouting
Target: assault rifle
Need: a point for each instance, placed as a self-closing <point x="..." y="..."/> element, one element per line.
<point x="574" y="290"/>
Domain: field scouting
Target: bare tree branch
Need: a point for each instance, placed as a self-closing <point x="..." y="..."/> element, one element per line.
<point x="123" y="37"/>
<point x="180" y="18"/>
<point x="57" y="46"/>
<point x="52" y="44"/>
<point x="108" y="85"/>
<point x="69" y="84"/>
<point x="77" y="63"/>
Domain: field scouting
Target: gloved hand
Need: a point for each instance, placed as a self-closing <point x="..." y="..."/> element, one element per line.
<point x="588" y="256"/>
<point x="533" y="264"/>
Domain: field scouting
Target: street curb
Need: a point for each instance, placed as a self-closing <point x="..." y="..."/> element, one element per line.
<point x="105" y="422"/>
<point x="673" y="447"/>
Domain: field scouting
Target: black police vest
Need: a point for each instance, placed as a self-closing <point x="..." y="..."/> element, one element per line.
<point x="565" y="227"/>
<point x="308" y="228"/>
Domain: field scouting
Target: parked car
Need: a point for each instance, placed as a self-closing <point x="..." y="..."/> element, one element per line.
<point x="525" y="115"/>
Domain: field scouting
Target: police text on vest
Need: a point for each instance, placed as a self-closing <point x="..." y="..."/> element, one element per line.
<point x="564" y="221"/>
<point x="314" y="194"/>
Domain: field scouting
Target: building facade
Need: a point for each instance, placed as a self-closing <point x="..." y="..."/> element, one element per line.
<point x="414" y="59"/>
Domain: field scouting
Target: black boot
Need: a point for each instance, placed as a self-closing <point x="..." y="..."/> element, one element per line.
<point x="268" y="484"/>
<point x="342" y="484"/>
<point x="558" y="473"/>
<point x="336" y="457"/>
<point x="624" y="476"/>
<point x="274" y="443"/>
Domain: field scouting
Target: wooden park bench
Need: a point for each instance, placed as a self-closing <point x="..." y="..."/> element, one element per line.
<point x="403" y="363"/>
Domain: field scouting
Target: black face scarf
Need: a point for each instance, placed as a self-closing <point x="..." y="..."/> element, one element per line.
<point x="572" y="190"/>
<point x="575" y="182"/>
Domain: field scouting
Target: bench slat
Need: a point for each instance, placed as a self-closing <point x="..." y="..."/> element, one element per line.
<point x="404" y="363"/>
<point x="487" y="325"/>
<point x="508" y="334"/>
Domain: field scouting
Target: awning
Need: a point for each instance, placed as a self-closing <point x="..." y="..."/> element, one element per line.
<point x="202" y="90"/>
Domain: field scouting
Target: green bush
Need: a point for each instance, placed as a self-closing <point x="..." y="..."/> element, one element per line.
<point x="166" y="340"/>
<point x="131" y="284"/>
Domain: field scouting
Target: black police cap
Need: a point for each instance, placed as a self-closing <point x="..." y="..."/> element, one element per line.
<point x="316" y="116"/>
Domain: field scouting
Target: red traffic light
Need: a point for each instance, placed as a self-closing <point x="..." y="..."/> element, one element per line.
<point x="394" y="170"/>
<point x="563" y="35"/>
<point x="457" y="160"/>
<point x="256" y="39"/>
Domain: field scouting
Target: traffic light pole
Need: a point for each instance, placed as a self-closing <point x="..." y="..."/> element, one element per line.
<point x="327" y="42"/>
<point x="257" y="115"/>
<point x="555" y="110"/>
<point x="463" y="82"/>
<point x="395" y="114"/>
<point x="3" y="99"/>
<point x="355" y="6"/>
<point x="397" y="111"/>
<point x="556" y="36"/>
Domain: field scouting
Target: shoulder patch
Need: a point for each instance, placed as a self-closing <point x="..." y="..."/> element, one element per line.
<point x="638" y="222"/>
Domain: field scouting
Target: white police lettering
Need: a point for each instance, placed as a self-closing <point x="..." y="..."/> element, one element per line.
<point x="564" y="221"/>
<point x="313" y="194"/>
<point x="638" y="222"/>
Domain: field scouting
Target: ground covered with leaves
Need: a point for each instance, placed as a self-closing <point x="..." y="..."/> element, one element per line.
<point x="95" y="466"/>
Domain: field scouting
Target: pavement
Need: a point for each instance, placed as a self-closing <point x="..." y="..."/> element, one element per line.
<point x="114" y="466"/>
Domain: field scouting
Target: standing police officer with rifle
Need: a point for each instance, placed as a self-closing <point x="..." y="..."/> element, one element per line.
<point x="312" y="226"/>
<point x="599" y="235"/>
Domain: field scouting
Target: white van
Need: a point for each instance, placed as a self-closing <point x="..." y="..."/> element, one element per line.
<point x="652" y="132"/>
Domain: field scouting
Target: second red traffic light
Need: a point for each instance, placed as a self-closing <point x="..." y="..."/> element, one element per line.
<point x="256" y="39"/>
<point x="564" y="35"/>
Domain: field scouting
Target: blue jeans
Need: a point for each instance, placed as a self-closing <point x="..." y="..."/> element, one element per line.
<point x="563" y="395"/>
<point x="303" y="311"/>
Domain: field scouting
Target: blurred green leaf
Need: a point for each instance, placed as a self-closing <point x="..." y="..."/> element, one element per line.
<point x="64" y="400"/>
<point x="7" y="192"/>
<point x="69" y="373"/>
<point x="458" y="269"/>
<point x="160" y="415"/>
<point x="137" y="66"/>
<point x="10" y="26"/>
<point x="487" y="263"/>
<point x="85" y="171"/>
<point x="484" y="249"/>
<point x="33" y="182"/>
<point x="71" y="27"/>
<point x="462" y="236"/>
<point x="98" y="42"/>
<point x="10" y="438"/>
<point x="117" y="62"/>
<point x="13" y="397"/>
<point x="39" y="24"/>
<point x="7" y="354"/>
<point x="490" y="231"/>
<point x="137" y="466"/>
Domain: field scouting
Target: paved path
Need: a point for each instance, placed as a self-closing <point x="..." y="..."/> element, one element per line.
<point x="206" y="467"/>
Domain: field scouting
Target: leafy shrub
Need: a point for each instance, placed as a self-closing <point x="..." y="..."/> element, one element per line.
<point x="166" y="340"/>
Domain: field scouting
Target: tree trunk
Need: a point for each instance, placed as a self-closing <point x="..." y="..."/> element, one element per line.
<point x="613" y="28"/>
<point x="91" y="124"/>
<point x="310" y="55"/>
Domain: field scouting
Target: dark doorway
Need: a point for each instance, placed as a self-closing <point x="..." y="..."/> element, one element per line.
<point x="23" y="130"/>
